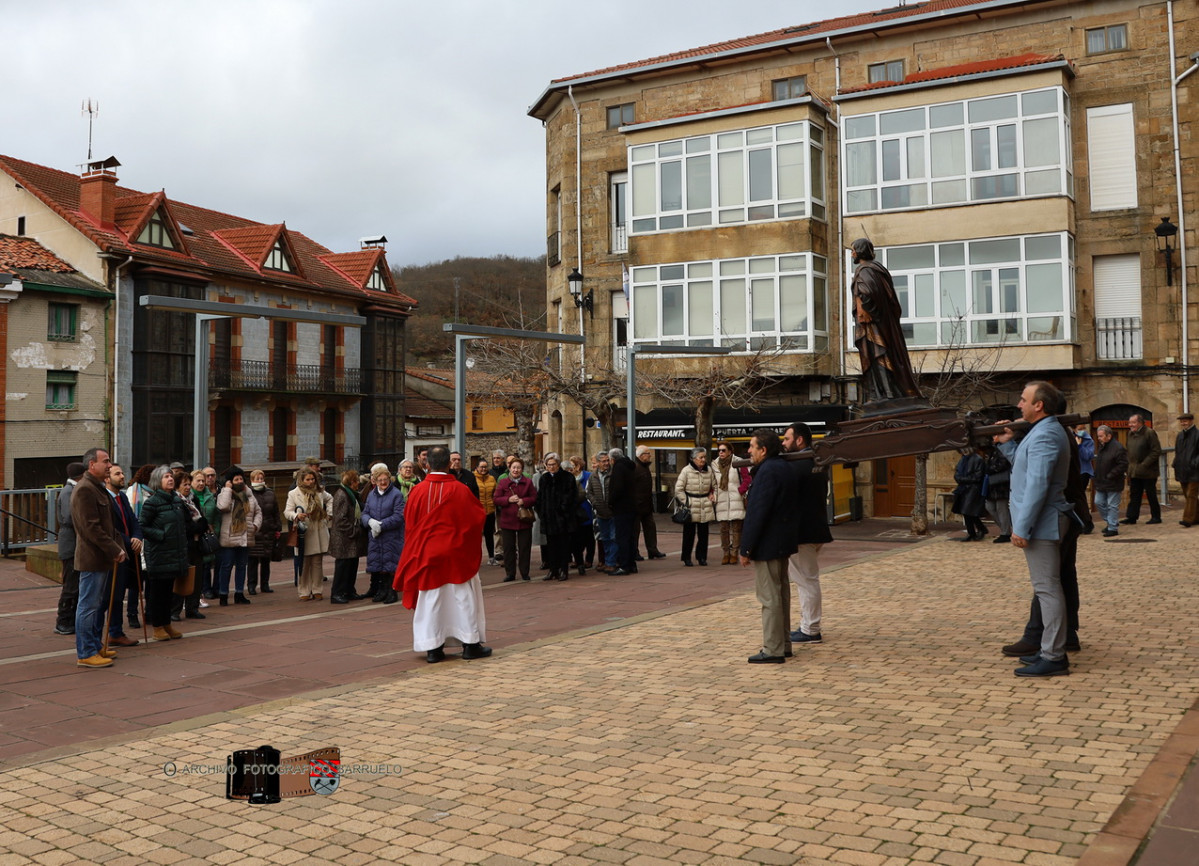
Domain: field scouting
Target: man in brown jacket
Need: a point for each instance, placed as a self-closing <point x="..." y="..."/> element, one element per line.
<point x="98" y="546"/>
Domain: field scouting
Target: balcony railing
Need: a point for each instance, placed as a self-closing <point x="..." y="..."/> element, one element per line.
<point x="266" y="376"/>
<point x="620" y="238"/>
<point x="1118" y="339"/>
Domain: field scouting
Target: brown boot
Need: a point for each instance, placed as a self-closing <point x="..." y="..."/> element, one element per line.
<point x="173" y="632"/>
<point x="161" y="634"/>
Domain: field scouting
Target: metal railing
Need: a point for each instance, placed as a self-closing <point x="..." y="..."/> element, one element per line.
<point x="28" y="518"/>
<point x="620" y="238"/>
<point x="1118" y="339"/>
<point x="268" y="376"/>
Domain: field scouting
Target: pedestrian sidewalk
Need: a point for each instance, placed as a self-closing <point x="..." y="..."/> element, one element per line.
<point x="645" y="738"/>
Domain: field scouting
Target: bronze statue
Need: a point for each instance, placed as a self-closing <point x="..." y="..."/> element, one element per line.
<point x="886" y="368"/>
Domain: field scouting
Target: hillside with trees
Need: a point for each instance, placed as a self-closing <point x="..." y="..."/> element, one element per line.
<point x="501" y="291"/>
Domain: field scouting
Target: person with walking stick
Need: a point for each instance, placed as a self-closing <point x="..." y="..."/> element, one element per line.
<point x="99" y="549"/>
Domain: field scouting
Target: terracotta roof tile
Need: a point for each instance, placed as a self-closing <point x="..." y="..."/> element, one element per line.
<point x="22" y="252"/>
<point x="963" y="69"/>
<point x="208" y="247"/>
<point x="419" y="406"/>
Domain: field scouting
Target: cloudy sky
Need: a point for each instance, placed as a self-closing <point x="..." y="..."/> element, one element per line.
<point x="344" y="118"/>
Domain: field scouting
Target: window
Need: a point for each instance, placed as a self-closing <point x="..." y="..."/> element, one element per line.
<point x="1111" y="146"/>
<point x="553" y="244"/>
<point x="157" y="232"/>
<point x="620" y="115"/>
<point x="743" y="304"/>
<point x="745" y="175"/>
<point x="973" y="293"/>
<point x="476" y="419"/>
<point x="618" y="209"/>
<point x="892" y="70"/>
<point x="280" y="421"/>
<point x="377" y="279"/>
<point x="1007" y="146"/>
<point x="278" y="259"/>
<point x="789" y="88"/>
<point x="20" y="226"/>
<point x="1101" y="40"/>
<point x="1117" y="284"/>
<point x="60" y="389"/>
<point x="64" y="323"/>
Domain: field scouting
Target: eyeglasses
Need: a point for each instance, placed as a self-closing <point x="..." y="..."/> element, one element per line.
<point x="723" y="450"/>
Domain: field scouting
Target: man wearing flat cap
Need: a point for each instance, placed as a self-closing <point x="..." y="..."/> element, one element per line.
<point x="1186" y="467"/>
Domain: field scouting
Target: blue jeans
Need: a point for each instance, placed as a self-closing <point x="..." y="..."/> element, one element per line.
<point x="231" y="556"/>
<point x="89" y="614"/>
<point x="607" y="537"/>
<point x="1108" y="503"/>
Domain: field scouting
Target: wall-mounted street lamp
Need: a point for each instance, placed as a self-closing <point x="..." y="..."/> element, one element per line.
<point x="1165" y="231"/>
<point x="587" y="301"/>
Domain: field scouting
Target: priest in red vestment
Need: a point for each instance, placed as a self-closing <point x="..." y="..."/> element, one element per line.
<point x="438" y="573"/>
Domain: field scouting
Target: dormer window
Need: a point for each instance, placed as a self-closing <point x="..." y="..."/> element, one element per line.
<point x="377" y="280"/>
<point x="278" y="259"/>
<point x="157" y="233"/>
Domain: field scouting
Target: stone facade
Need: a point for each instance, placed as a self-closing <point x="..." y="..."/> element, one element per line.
<point x="949" y="55"/>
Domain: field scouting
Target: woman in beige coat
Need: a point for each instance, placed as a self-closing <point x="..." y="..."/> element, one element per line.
<point x="695" y="490"/>
<point x="312" y="509"/>
<point x="730" y="504"/>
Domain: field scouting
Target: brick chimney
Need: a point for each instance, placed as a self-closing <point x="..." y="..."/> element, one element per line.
<point x="98" y="191"/>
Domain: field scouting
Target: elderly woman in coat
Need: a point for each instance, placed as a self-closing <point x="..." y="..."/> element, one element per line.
<point x="311" y="508"/>
<point x="730" y="504"/>
<point x="347" y="539"/>
<point x="266" y="539"/>
<point x="383" y="519"/>
<point x="695" y="489"/>
<point x="166" y="526"/>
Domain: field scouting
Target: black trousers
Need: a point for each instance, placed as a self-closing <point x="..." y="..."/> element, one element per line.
<point x="345" y="573"/>
<point x="646" y="526"/>
<point x="517" y="544"/>
<point x="697" y="534"/>
<point x="1138" y="487"/>
<point x="489" y="534"/>
<point x="582" y="545"/>
<point x="259" y="573"/>
<point x="624" y="526"/>
<point x="557" y="552"/>
<point x="68" y="597"/>
<point x="159" y="594"/>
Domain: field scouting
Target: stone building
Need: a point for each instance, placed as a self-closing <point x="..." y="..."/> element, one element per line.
<point x="294" y="383"/>
<point x="1009" y="159"/>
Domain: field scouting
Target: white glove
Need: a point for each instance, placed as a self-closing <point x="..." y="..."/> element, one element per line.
<point x="376" y="527"/>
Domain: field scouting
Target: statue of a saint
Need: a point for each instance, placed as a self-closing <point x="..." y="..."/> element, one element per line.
<point x="886" y="368"/>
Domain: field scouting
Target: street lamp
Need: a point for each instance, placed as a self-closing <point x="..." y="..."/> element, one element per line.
<point x="1165" y="231"/>
<point x="575" y="280"/>
<point x="463" y="332"/>
<point x="631" y="380"/>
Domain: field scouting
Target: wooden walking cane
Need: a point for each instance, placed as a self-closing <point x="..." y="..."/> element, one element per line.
<point x="141" y="598"/>
<point x="112" y="589"/>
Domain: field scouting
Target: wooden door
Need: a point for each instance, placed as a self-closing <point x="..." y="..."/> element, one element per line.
<point x="894" y="487"/>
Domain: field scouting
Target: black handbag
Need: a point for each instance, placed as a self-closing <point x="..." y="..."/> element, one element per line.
<point x="209" y="543"/>
<point x="681" y="513"/>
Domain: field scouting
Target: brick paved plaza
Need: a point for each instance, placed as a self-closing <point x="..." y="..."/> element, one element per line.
<point x="904" y="738"/>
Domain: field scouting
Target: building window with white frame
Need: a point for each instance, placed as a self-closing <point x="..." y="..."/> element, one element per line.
<point x="1101" y="40"/>
<point x="1112" y="156"/>
<point x="1013" y="145"/>
<point x="156" y="232"/>
<point x="889" y="71"/>
<point x="728" y="178"/>
<point x="747" y="305"/>
<point x="985" y="292"/>
<point x="278" y="259"/>
<point x="618" y="210"/>
<point x="1117" y="290"/>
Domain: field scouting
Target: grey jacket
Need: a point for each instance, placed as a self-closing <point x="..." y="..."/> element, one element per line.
<point x="66" y="529"/>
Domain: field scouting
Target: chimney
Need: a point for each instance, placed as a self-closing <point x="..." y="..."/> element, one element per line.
<point x="98" y="191"/>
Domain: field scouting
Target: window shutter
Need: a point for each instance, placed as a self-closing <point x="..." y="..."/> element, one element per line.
<point x="1111" y="143"/>
<point x="1117" y="286"/>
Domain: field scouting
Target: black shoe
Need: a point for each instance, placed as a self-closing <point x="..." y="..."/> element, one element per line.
<point x="176" y="618"/>
<point x="800" y="636"/>
<point x="64" y="629"/>
<point x="1030" y="659"/>
<point x="208" y="594"/>
<point x="551" y="576"/>
<point x="239" y="598"/>
<point x="266" y="589"/>
<point x="338" y="599"/>
<point x="134" y="622"/>
<point x="251" y="591"/>
<point x="1002" y="539"/>
<point x="195" y="614"/>
<point x="562" y="575"/>
<point x="657" y="556"/>
<point x="763" y="659"/>
<point x="1072" y="645"/>
<point x="638" y="558"/>
<point x="789" y="654"/>
<point x="526" y="577"/>
<point x="1108" y="533"/>
<point x="687" y="562"/>
<point x="702" y="561"/>
<point x="1184" y="523"/>
<point x="581" y="569"/>
<point x="1045" y="668"/>
<point x="620" y="572"/>
<point x="475" y="651"/>
<point x="511" y="578"/>
<point x="1153" y="520"/>
<point x="1021" y="648"/>
<point x="963" y="538"/>
<point x="391" y="597"/>
<point x="1127" y="522"/>
<point x="434" y="656"/>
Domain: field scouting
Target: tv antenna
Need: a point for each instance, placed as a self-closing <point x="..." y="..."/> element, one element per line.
<point x="91" y="110"/>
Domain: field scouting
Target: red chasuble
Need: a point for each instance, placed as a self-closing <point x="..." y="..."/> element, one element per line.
<point x="443" y="531"/>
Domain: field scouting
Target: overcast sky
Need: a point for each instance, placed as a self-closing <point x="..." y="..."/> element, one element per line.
<point x="343" y="118"/>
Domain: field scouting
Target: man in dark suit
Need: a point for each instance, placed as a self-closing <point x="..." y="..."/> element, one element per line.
<point x="812" y="533"/>
<point x="768" y="538"/>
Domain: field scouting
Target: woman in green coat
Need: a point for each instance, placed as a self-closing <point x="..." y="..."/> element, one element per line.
<point x="164" y="520"/>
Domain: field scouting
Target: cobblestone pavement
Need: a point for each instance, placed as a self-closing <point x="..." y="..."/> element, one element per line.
<point x="904" y="738"/>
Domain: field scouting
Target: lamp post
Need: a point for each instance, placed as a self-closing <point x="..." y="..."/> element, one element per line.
<point x="1165" y="231"/>
<point x="575" y="280"/>
<point x="463" y="332"/>
<point x="631" y="380"/>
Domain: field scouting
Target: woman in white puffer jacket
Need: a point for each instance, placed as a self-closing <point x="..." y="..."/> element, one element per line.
<point x="694" y="489"/>
<point x="730" y="504"/>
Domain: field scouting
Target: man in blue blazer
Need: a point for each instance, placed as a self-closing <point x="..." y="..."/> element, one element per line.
<point x="768" y="538"/>
<point x="1040" y="515"/>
